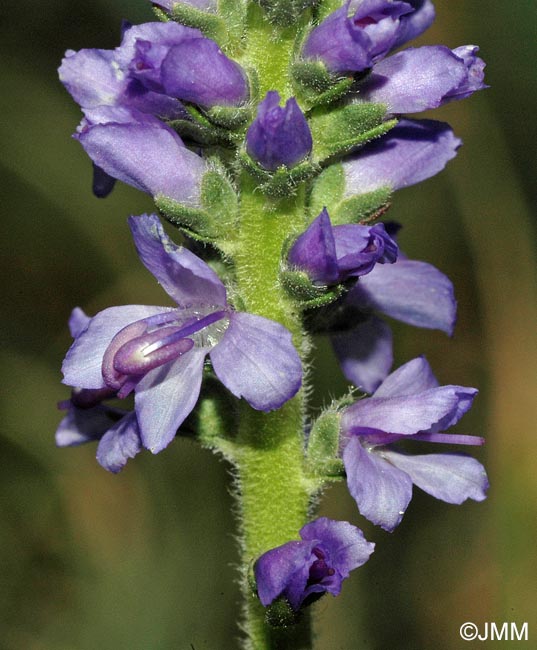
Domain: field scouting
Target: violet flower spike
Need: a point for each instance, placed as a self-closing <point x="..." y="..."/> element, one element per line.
<point x="331" y="254"/>
<point x="408" y="405"/>
<point x="301" y="571"/>
<point x="159" y="352"/>
<point x="278" y="135"/>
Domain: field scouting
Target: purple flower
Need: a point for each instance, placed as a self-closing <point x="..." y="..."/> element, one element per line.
<point x="418" y="79"/>
<point x="141" y="151"/>
<point x="331" y="254"/>
<point x="302" y="571"/>
<point x="278" y="136"/>
<point x="353" y="37"/>
<point x="159" y="352"/>
<point x="156" y="65"/>
<point x="89" y="419"/>
<point x="411" y="152"/>
<point x="410" y="291"/>
<point x="408" y="405"/>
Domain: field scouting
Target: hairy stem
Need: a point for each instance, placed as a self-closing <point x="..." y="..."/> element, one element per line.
<point x="274" y="492"/>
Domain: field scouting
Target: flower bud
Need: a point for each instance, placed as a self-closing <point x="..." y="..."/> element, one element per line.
<point x="278" y="136"/>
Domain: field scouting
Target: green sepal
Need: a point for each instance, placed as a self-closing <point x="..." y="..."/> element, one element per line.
<point x="218" y="212"/>
<point x="338" y="132"/>
<point x="285" y="12"/>
<point x="215" y="421"/>
<point x="328" y="191"/>
<point x="161" y="14"/>
<point x="210" y="24"/>
<point x="280" y="183"/>
<point x="322" y="454"/>
<point x="233" y="13"/>
<point x="280" y="614"/>
<point x="326" y="7"/>
<point x="230" y="117"/>
<point x="316" y="86"/>
<point x="202" y="133"/>
<point x="308" y="295"/>
<point x="362" y="208"/>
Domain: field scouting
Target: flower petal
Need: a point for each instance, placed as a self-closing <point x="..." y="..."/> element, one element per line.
<point x="411" y="152"/>
<point x="410" y="291"/>
<point x="365" y="352"/>
<point x="119" y="443"/>
<point x="406" y="414"/>
<point x="82" y="364"/>
<point x="416" y="376"/>
<point x="83" y="425"/>
<point x="282" y="568"/>
<point x="165" y="396"/>
<point x="413" y="24"/>
<point x="414" y="80"/>
<point x="450" y="477"/>
<point x="382" y="492"/>
<point x="315" y="251"/>
<point x="346" y="544"/>
<point x="144" y="153"/>
<point x="91" y="77"/>
<point x="256" y="360"/>
<point x="184" y="276"/>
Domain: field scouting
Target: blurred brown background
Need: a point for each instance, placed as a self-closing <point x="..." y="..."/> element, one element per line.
<point x="144" y="560"/>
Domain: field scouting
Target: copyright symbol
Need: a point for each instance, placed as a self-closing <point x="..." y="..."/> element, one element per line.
<point x="469" y="631"/>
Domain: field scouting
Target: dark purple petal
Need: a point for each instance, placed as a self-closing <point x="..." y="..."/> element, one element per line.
<point x="406" y="414"/>
<point x="315" y="251"/>
<point x="103" y="184"/>
<point x="119" y="443"/>
<point x="165" y="396"/>
<point x="340" y="45"/>
<point x="450" y="477"/>
<point x="184" y="276"/>
<point x="359" y="248"/>
<point x="145" y="154"/>
<point x="413" y="24"/>
<point x="284" y="568"/>
<point x="198" y="71"/>
<point x="82" y="366"/>
<point x="278" y="135"/>
<point x="413" y="377"/>
<point x="256" y="360"/>
<point x="365" y="353"/>
<point x="345" y="544"/>
<point x="414" y="80"/>
<point x="351" y="43"/>
<point x="409" y="153"/>
<point x="410" y="291"/>
<point x="381" y="491"/>
<point x="475" y="72"/>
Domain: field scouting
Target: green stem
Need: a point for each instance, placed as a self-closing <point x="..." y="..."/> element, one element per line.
<point x="274" y="491"/>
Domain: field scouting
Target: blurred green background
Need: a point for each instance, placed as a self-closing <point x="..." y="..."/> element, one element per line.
<point x="145" y="560"/>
